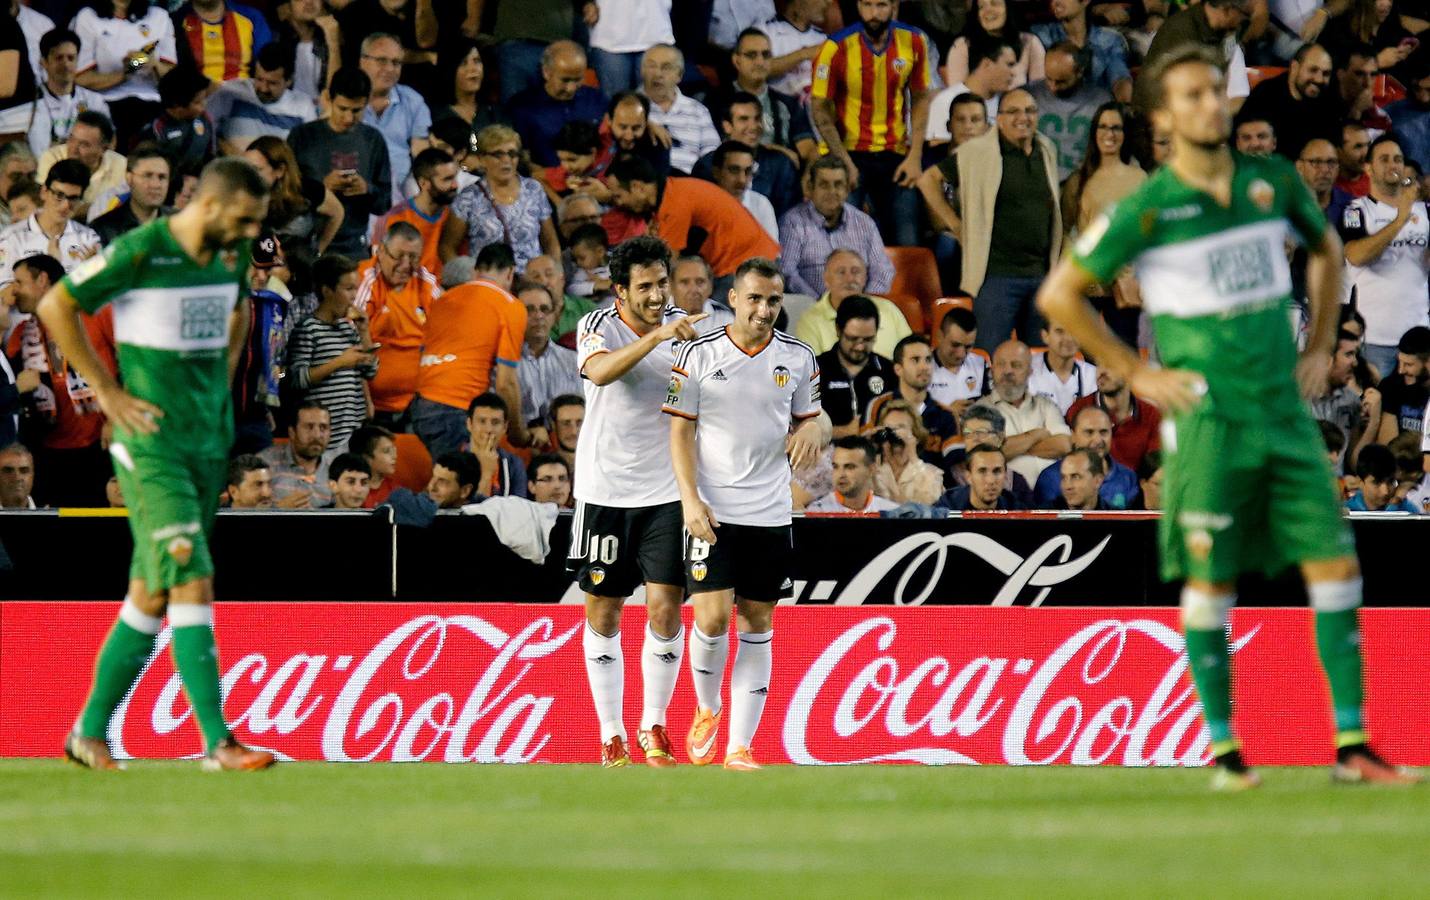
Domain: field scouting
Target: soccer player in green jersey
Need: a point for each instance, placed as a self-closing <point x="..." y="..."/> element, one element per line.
<point x="177" y="286"/>
<point x="1247" y="483"/>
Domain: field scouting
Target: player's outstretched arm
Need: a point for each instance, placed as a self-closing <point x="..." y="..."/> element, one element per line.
<point x="605" y="368"/>
<point x="60" y="314"/>
<point x="699" y="520"/>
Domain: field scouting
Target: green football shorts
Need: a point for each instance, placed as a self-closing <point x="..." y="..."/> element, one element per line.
<point x="172" y="501"/>
<point x="1247" y="497"/>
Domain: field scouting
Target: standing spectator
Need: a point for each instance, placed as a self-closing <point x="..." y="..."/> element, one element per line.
<point x="59" y="98"/>
<point x="414" y="24"/>
<point x="1057" y="372"/>
<point x="826" y="222"/>
<point x="851" y="374"/>
<point x="795" y="42"/>
<point x="349" y="479"/>
<point x="548" y="271"/>
<point x="621" y="35"/>
<point x="454" y="480"/>
<point x="1213" y="24"/>
<point x="1069" y="106"/>
<point x="984" y="492"/>
<point x="967" y="119"/>
<point x="34" y="25"/>
<point x="626" y="130"/>
<point x="1107" y="173"/>
<point x="546" y="370"/>
<point x="691" y="287"/>
<point x="395" y="110"/>
<point x="1091" y="432"/>
<point x="221" y="38"/>
<point x="900" y="474"/>
<point x="184" y="132"/>
<point x="378" y="448"/>
<point x="783" y="123"/>
<point x="522" y="30"/>
<point x="730" y="17"/>
<point x="992" y="76"/>
<point x="398" y="296"/>
<point x="1009" y="220"/>
<point x="348" y="157"/>
<point x="300" y="467"/>
<point x="461" y="72"/>
<point x="692" y="132"/>
<point x="961" y="374"/>
<point x="773" y="175"/>
<point x="541" y="110"/>
<point x="258" y="371"/>
<point x="1081" y="481"/>
<point x="430" y="208"/>
<point x="845" y="276"/>
<point x="1405" y="391"/>
<point x="51" y="229"/>
<point x="1037" y="433"/>
<point x="502" y="474"/>
<point x="565" y="417"/>
<point x="548" y="479"/>
<point x="853" y="463"/>
<point x="1136" y="424"/>
<point x="312" y="32"/>
<point x="503" y="207"/>
<point x="304" y="214"/>
<point x="266" y="104"/>
<point x="995" y="20"/>
<point x="330" y="353"/>
<point x="1374" y="24"/>
<point x="913" y="369"/>
<point x="1105" y="46"/>
<point x="124" y="46"/>
<point x="1411" y="116"/>
<point x="1298" y="103"/>
<point x="147" y="173"/>
<point x="880" y="144"/>
<point x="90" y="143"/>
<point x="250" y="483"/>
<point x="732" y="168"/>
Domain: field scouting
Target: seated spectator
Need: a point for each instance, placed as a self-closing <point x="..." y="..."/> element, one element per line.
<point x="1056" y="371"/>
<point x="456" y="138"/>
<point x="960" y="376"/>
<point x="349" y="478"/>
<point x="266" y="104"/>
<point x="60" y="98"/>
<point x="845" y="276"/>
<point x="413" y="25"/>
<point x="1149" y="479"/>
<point x="1409" y="469"/>
<point x="220" y="37"/>
<point x="576" y="210"/>
<point x="549" y="479"/>
<point x="1136" y="424"/>
<point x="250" y="483"/>
<point x="1091" y="431"/>
<point x="1355" y="418"/>
<point x="994" y="73"/>
<point x="378" y="447"/>
<point x="399" y="297"/>
<point x="302" y="212"/>
<point x="1298" y="103"/>
<point x="503" y="206"/>
<point x="985" y="425"/>
<point x="774" y="175"/>
<point x="17" y="477"/>
<point x="692" y="132"/>
<point x="1335" y="440"/>
<point x="1105" y="46"/>
<point x="784" y="125"/>
<point x="52" y="227"/>
<point x="565" y="416"/>
<point x="1405" y="391"/>
<point x="626" y="130"/>
<point x="540" y="110"/>
<point x="454" y="481"/>
<point x="90" y="143"/>
<point x="429" y="209"/>
<point x="851" y="375"/>
<point x="825" y="222"/>
<point x="900" y="474"/>
<point x="732" y="169"/>
<point x="184" y="131"/>
<point x="990" y="21"/>
<point x="987" y="473"/>
<point x="1070" y="111"/>
<point x="913" y="369"/>
<point x="395" y="110"/>
<point x="1352" y="154"/>
<point x="1080" y="481"/>
<point x="330" y="352"/>
<point x="348" y="157"/>
<point x="1253" y="135"/>
<point x="461" y="73"/>
<point x="854" y="459"/>
<point x="1037" y="434"/>
<point x="312" y="32"/>
<point x="113" y="493"/>
<point x="691" y="284"/>
<point x="502" y="474"/>
<point x="300" y="467"/>
<point x="546" y="370"/>
<point x="147" y="176"/>
<point x="1378" y="480"/>
<point x="548" y="272"/>
<point x="590" y="275"/>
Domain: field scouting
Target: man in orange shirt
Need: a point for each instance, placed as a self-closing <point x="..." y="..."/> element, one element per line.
<point x="435" y="172"/>
<point x="473" y="328"/>
<point x="397" y="294"/>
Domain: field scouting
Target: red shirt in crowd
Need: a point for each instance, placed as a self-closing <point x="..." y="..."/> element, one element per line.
<point x="1133" y="437"/>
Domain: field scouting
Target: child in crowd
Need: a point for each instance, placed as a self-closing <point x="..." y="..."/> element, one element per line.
<point x="378" y="447"/>
<point x="23" y="200"/>
<point x="330" y="353"/>
<point x="349" y="478"/>
<point x="591" y="277"/>
<point x="185" y="132"/>
<point x="576" y="144"/>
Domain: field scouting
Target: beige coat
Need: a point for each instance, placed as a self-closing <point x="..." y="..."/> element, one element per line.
<point x="980" y="172"/>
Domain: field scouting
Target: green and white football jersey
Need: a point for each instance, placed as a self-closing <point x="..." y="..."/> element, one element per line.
<point x="171" y="324"/>
<point x="1215" y="279"/>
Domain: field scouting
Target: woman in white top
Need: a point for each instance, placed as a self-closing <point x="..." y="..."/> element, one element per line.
<point x="125" y="46"/>
<point x="995" y="18"/>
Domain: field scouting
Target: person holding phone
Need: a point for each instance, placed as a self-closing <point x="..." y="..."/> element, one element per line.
<point x="331" y="356"/>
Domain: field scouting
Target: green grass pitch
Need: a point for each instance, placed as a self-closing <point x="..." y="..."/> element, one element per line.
<point x="168" y="830"/>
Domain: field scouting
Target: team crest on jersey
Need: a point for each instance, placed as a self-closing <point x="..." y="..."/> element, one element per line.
<point x="1262" y="194"/>
<point x="180" y="550"/>
<point x="1351" y="218"/>
<point x="597" y="574"/>
<point x="199" y="127"/>
<point x="822" y="72"/>
<point x="85" y="270"/>
<point x="970" y="382"/>
<point x="781" y="376"/>
<point x="591" y="342"/>
<point x="900" y="64"/>
<point x="1199" y="544"/>
<point x="876" y="385"/>
<point x="699" y="570"/>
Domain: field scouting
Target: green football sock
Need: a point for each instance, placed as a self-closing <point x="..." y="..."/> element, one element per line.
<point x="120" y="660"/>
<point x="1338" y="640"/>
<point x="196" y="657"/>
<point x="1210" y="660"/>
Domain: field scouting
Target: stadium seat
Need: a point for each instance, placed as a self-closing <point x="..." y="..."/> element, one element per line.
<point x="940" y="308"/>
<point x="1257" y="74"/>
<point x="414" y="463"/>
<point x="916" y="278"/>
<point x="913" y="311"/>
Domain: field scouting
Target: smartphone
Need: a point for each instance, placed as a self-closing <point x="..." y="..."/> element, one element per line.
<point x="374" y="348"/>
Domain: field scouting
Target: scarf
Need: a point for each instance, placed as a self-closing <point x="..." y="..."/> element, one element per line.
<point x="43" y="355"/>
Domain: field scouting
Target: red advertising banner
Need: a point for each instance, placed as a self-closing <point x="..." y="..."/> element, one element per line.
<point x="506" y="683"/>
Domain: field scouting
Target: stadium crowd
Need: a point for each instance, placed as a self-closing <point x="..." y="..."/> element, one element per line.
<point x="449" y="176"/>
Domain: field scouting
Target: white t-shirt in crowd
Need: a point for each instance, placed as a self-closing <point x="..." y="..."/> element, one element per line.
<point x="632" y="26"/>
<point x="1081" y="381"/>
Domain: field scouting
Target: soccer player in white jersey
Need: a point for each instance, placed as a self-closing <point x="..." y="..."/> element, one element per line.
<point x="734" y="395"/>
<point x="627" y="527"/>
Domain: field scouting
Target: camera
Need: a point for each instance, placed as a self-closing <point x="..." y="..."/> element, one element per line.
<point x="887" y="436"/>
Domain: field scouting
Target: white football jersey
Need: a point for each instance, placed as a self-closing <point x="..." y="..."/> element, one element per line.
<point x="968" y="383"/>
<point x="623" y="457"/>
<point x="831" y="503"/>
<point x="744" y="403"/>
<point x="1081" y="381"/>
<point x="1390" y="292"/>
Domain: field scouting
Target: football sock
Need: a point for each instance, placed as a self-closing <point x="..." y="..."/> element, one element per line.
<point x="749" y="685"/>
<point x="1209" y="658"/>
<point x="660" y="667"/>
<point x="196" y="658"/>
<point x="707" y="666"/>
<point x="120" y="660"/>
<point x="606" y="671"/>
<point x="1338" y="641"/>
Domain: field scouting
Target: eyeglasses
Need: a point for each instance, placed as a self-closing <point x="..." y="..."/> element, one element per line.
<point x="542" y="310"/>
<point x="68" y="198"/>
<point x="978" y="433"/>
<point x="411" y="256"/>
<point x="502" y="154"/>
<point x="1320" y="163"/>
<point x="392" y="61"/>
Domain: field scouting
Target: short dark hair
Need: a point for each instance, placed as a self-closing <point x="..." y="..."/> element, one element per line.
<point x="277" y="56"/>
<point x="424" y="164"/>
<point x="496" y="257"/>
<point x="546" y="459"/>
<point x="364" y="439"/>
<point x="147" y="150"/>
<point x="56" y="36"/>
<point x="488" y="400"/>
<point x="347" y="462"/>
<point x="637" y="251"/>
<point x="758" y="265"/>
<point x="577" y="137"/>
<point x="739" y="98"/>
<point x="229" y="175"/>
<point x="1332" y="435"/>
<point x="629" y="169"/>
<point x="240" y="466"/>
<point x="827" y="161"/>
<point x="590" y="233"/>
<point x="969" y="99"/>
<point x="330" y="268"/>
<point x="1150" y="465"/>
<point x="561" y="401"/>
<point x="1387" y="138"/>
<point x="1376" y="461"/>
<point x="23" y="189"/>
<point x="857" y="442"/>
<point x="855" y="306"/>
<point x="455" y="133"/>
<point x="350" y="83"/>
<point x="1094" y="460"/>
<point x="99" y="122"/>
<point x="989" y="49"/>
<point x="68" y="171"/>
<point x="43" y="264"/>
<point x="898" y="354"/>
<point x="624" y="97"/>
<point x="462" y="465"/>
<point x="988" y="448"/>
<point x="961" y="316"/>
<point x="724" y="151"/>
<point x="309" y="403"/>
<point x="402" y="230"/>
<point x="1415" y="342"/>
<point x="1245" y="118"/>
<point x="181" y="84"/>
<point x="750" y="32"/>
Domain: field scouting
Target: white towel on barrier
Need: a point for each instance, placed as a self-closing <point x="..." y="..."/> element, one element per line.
<point x="520" y="524"/>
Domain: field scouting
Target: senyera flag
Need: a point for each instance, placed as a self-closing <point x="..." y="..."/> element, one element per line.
<point x="506" y="683"/>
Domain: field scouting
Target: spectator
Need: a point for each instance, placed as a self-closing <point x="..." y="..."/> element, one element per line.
<point x="471" y="331"/>
<point x="266" y="104"/>
<point x="733" y="168"/>
<point x="1355" y="417"/>
<point x="114" y="495"/>
<point x="24" y="200"/>
<point x="851" y="375"/>
<point x="1092" y="432"/>
<point x="1136" y="423"/>
<point x="913" y="367"/>
<point x="540" y="111"/>
<point x="17" y="168"/>
<point x="378" y="447"/>
<point x="257" y="381"/>
<point x="1335" y="441"/>
<point x="1009" y="219"/>
<point x="1070" y="109"/>
<point x="728" y="18"/>
<point x="454" y="480"/>
<point x="548" y="272"/>
<point x="826" y="222"/>
<point x="691" y="285"/>
<point x="994" y="20"/>
<point x="1405" y="391"/>
<point x="300" y="467"/>
<point x="313" y="34"/>
<point x="576" y="210"/>
<point x="1149" y="479"/>
<point x="880" y="58"/>
<point x="987" y="470"/>
<point x="1378" y="480"/>
<point x="17" y="477"/>
<point x="773" y="175"/>
<point x="1353" y="177"/>
<point x="304" y="214"/>
<point x="795" y="42"/>
<point x="619" y="37"/>
<point x="123" y="49"/>
<point x="854" y="460"/>
<point x="967" y="119"/>
<point x="89" y="143"/>
<point x="32" y="28"/>
<point x="590" y="276"/>
<point x="413" y="23"/>
<point x="985" y="425"/>
<point x="577" y="146"/>
<point x="1374" y="24"/>
<point x="71" y="461"/>
<point x="961" y="375"/>
<point x="502" y="474"/>
<point x="1037" y="434"/>
<point x="461" y="74"/>
<point x="1081" y="480"/>
<point x="901" y="475"/>
<point x="783" y="125"/>
<point x="1317" y="165"/>
<point x="147" y="175"/>
<point x="397" y="111"/>
<point x="1411" y="116"/>
<point x="59" y="99"/>
<point x="184" y="131"/>
<point x="692" y="132"/>
<point x="1105" y="46"/>
<point x="566" y="415"/>
<point x="627" y="130"/>
<point x="348" y="157"/>
<point x="250" y="483"/>
<point x="1298" y="103"/>
<point x="430" y="208"/>
<point x="349" y="479"/>
<point x="221" y="38"/>
<point x="331" y="354"/>
<point x="399" y="296"/>
<point x="522" y="30"/>
<point x="503" y="206"/>
<point x="994" y="63"/>
<point x="549" y="479"/>
<point x="1253" y="135"/>
<point x="51" y="229"/>
<point x="1410" y="470"/>
<point x="845" y="276"/>
<point x="546" y="370"/>
<point x="1057" y="372"/>
<point x="1213" y="24"/>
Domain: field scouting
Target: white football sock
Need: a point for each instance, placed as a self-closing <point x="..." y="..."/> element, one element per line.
<point x="749" y="685"/>
<point x="606" y="671"/>
<point x="707" y="666"/>
<point x="660" y="667"/>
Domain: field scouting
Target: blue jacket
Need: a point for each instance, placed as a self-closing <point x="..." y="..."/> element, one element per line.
<point x="957" y="500"/>
<point x="1120" y="488"/>
<point x="1357" y="504"/>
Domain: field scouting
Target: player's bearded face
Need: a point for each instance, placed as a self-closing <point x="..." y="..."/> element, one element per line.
<point x="647" y="295"/>
<point x="1196" y="105"/>
<point x="232" y="219"/>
